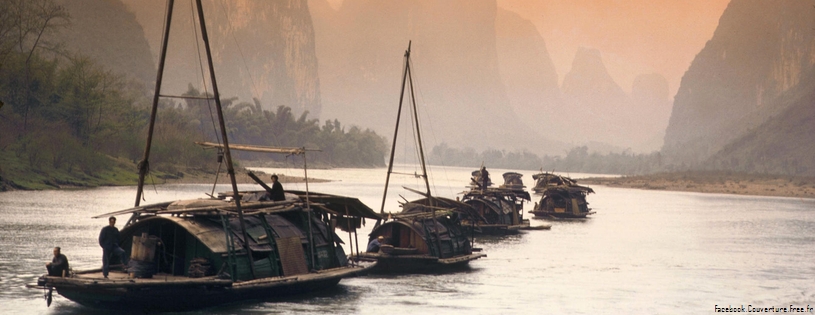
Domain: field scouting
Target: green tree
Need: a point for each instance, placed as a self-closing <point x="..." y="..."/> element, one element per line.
<point x="24" y="27"/>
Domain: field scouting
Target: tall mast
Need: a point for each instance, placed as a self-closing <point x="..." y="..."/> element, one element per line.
<point x="395" y="131"/>
<point x="229" y="168"/>
<point x="407" y="80"/>
<point x="144" y="164"/>
<point x="418" y="133"/>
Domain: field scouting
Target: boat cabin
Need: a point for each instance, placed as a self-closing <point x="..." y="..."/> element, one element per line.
<point x="280" y="242"/>
<point x="418" y="230"/>
<point x="545" y="180"/>
<point x="512" y="180"/>
<point x="564" y="202"/>
<point x="497" y="210"/>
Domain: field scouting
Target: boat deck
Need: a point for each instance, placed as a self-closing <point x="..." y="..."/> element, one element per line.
<point x="118" y="276"/>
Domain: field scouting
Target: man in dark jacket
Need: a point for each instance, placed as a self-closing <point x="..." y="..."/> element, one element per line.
<point x="485" y="177"/>
<point x="277" y="190"/>
<point x="109" y="240"/>
<point x="58" y="265"/>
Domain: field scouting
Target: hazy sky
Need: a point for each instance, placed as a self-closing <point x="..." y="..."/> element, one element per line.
<point x="634" y="36"/>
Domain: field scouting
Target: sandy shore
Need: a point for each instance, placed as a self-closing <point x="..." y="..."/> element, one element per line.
<point x="713" y="182"/>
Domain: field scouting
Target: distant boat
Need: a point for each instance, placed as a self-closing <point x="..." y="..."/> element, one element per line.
<point x="189" y="254"/>
<point x="496" y="210"/>
<point x="426" y="236"/>
<point x="561" y="197"/>
<point x="421" y="239"/>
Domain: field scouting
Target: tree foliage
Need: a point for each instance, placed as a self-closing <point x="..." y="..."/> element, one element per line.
<point x="249" y="123"/>
<point x="578" y="159"/>
<point x="64" y="113"/>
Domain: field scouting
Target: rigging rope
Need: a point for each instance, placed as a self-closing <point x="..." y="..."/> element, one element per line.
<point x="432" y="131"/>
<point x="416" y="138"/>
<point x="203" y="76"/>
<point x="413" y="127"/>
<point x="243" y="58"/>
<point x="206" y="93"/>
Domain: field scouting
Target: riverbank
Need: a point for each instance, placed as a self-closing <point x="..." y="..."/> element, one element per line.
<point x="122" y="174"/>
<point x="715" y="182"/>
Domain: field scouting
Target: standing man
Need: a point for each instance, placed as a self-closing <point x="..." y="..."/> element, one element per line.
<point x="277" y="190"/>
<point x="485" y="177"/>
<point x="109" y="240"/>
<point x="58" y="265"/>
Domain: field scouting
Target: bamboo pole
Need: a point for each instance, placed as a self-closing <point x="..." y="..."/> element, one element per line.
<point x="229" y="166"/>
<point x="395" y="134"/>
<point x="144" y="164"/>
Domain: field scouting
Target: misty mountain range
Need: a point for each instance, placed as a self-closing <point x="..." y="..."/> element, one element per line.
<point x="485" y="76"/>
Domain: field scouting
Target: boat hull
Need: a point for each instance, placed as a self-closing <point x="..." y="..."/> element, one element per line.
<point x="561" y="215"/>
<point x="496" y="229"/>
<point x="176" y="294"/>
<point x="405" y="264"/>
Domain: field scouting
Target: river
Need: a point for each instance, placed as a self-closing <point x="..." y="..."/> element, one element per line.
<point x="642" y="252"/>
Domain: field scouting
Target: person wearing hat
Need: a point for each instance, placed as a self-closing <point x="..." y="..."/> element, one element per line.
<point x="109" y="241"/>
<point x="373" y="246"/>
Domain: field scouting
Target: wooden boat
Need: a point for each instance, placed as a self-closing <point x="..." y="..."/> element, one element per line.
<point x="420" y="240"/>
<point x="189" y="254"/>
<point x="496" y="210"/>
<point x="201" y="259"/>
<point x="424" y="236"/>
<point x="561" y="197"/>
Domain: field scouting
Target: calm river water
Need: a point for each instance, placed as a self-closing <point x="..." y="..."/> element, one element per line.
<point x="643" y="252"/>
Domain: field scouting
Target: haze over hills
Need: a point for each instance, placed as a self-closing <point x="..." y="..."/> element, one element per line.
<point x="486" y="75"/>
<point x="527" y="72"/>
<point x="594" y="103"/>
<point x="757" y="66"/>
<point x="261" y="49"/>
<point x="595" y="108"/>
<point x="781" y="145"/>
<point x="455" y="61"/>
<point x="634" y="36"/>
<point x="109" y="34"/>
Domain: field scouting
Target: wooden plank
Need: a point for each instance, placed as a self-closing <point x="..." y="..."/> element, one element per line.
<point x="257" y="148"/>
<point x="292" y="256"/>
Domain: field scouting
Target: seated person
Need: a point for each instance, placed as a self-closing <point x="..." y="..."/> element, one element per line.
<point x="277" y="191"/>
<point x="58" y="265"/>
<point x="373" y="246"/>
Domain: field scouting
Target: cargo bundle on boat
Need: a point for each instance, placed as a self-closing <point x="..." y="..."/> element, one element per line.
<point x="561" y="197"/>
<point x="545" y="180"/>
<point x="496" y="210"/>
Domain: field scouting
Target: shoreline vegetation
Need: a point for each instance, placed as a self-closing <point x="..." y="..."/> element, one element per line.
<point x="122" y="174"/>
<point x="714" y="182"/>
<point x="690" y="181"/>
<point x="67" y="121"/>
